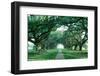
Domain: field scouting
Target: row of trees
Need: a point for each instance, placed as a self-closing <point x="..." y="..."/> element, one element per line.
<point x="42" y="31"/>
<point x="77" y="34"/>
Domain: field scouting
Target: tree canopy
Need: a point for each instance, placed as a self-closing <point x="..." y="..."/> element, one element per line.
<point x="46" y="31"/>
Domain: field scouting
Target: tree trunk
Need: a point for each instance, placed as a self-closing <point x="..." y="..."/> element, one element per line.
<point x="81" y="44"/>
<point x="40" y="48"/>
<point x="37" y="48"/>
<point x="75" y="47"/>
<point x="80" y="47"/>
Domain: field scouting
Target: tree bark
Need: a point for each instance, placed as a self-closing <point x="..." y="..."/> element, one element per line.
<point x="80" y="47"/>
<point x="75" y="47"/>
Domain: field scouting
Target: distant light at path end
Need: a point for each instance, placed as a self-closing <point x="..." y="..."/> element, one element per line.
<point x="62" y="28"/>
<point x="60" y="46"/>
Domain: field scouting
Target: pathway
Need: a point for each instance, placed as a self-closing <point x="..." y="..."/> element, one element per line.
<point x="60" y="54"/>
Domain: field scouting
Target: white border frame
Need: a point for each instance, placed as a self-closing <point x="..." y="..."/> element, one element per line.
<point x="24" y="64"/>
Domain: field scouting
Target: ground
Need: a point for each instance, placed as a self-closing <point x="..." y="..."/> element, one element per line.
<point x="58" y="54"/>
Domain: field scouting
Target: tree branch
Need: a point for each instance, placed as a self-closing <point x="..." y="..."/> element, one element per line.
<point x="31" y="40"/>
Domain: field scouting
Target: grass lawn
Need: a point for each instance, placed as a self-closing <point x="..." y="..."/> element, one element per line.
<point x="74" y="54"/>
<point x="44" y="56"/>
<point x="51" y="54"/>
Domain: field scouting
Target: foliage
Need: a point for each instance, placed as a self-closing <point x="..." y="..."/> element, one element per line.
<point x="42" y="32"/>
<point x="76" y="35"/>
<point x="39" y="28"/>
<point x="53" y="39"/>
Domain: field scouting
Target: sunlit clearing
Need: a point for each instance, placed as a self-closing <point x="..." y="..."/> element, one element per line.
<point x="62" y="28"/>
<point x="60" y="46"/>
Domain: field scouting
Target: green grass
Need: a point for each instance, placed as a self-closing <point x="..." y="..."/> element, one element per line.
<point x="44" y="56"/>
<point x="74" y="54"/>
<point x="68" y="54"/>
